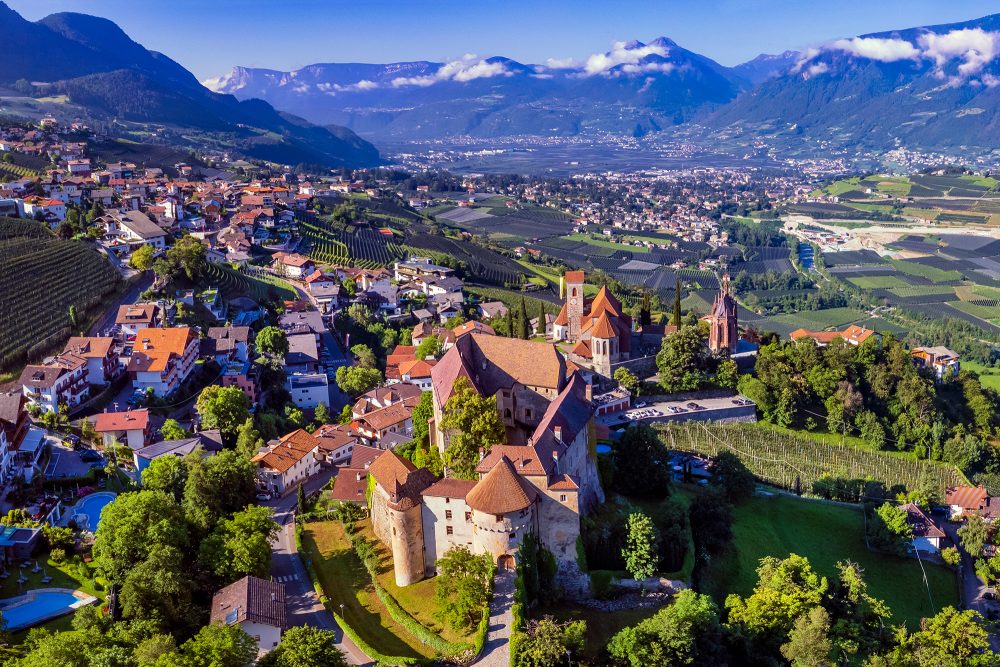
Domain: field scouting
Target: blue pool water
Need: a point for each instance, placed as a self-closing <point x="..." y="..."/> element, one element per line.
<point x="91" y="507"/>
<point x="603" y="449"/>
<point x="43" y="605"/>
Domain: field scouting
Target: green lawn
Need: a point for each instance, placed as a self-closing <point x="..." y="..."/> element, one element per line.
<point x="417" y="599"/>
<point x="601" y="625"/>
<point x="825" y="534"/>
<point x="345" y="581"/>
<point x="989" y="376"/>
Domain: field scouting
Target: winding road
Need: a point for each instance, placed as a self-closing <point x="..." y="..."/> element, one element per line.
<point x="304" y="607"/>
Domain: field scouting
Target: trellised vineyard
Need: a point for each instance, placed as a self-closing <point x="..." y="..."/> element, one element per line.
<point x="782" y="458"/>
<point x="41" y="276"/>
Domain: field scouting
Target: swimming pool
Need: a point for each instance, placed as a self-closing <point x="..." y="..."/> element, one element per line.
<point x="603" y="449"/>
<point x="87" y="512"/>
<point x="41" y="605"/>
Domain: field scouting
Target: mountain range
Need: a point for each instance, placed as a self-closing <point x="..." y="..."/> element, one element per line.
<point x="96" y="65"/>
<point x="933" y="87"/>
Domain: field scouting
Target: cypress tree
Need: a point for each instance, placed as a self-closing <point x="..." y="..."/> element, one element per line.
<point x="677" y="304"/>
<point x="540" y="329"/>
<point x="523" y="324"/>
<point x="510" y="322"/>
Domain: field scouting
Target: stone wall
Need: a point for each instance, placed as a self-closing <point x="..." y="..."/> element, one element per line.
<point x="643" y="367"/>
<point x="437" y="541"/>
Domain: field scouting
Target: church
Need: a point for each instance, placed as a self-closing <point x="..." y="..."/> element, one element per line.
<point x="599" y="328"/>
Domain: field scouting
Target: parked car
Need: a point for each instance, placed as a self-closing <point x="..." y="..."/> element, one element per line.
<point x="263" y="496"/>
<point x="73" y="441"/>
<point x="640" y="404"/>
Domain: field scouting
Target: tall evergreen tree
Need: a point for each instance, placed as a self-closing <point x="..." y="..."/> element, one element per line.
<point x="540" y="328"/>
<point x="523" y="324"/>
<point x="510" y="323"/>
<point x="677" y="304"/>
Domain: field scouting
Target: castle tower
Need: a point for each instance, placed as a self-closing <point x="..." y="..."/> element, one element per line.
<point x="407" y="545"/>
<point x="574" y="302"/>
<point x="722" y="332"/>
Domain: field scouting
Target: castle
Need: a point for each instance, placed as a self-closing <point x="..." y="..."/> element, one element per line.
<point x="540" y="483"/>
<point x="600" y="329"/>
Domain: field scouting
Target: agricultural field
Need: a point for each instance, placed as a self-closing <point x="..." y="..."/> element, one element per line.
<point x="494" y="219"/>
<point x="878" y="282"/>
<point x="825" y="533"/>
<point x="260" y="287"/>
<point x="41" y="277"/>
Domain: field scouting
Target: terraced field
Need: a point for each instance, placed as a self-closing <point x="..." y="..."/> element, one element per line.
<point x="41" y="277"/>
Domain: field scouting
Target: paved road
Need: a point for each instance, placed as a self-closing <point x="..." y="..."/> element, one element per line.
<point x="496" y="653"/>
<point x="304" y="607"/>
<point x="972" y="587"/>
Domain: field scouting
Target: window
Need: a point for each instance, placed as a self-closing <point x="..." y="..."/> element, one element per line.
<point x="468" y="516"/>
<point x="527" y="413"/>
<point x="562" y="498"/>
<point x="447" y="500"/>
<point x="448" y="530"/>
<point x="447" y="514"/>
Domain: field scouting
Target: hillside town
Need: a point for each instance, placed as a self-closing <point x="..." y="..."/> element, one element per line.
<point x="309" y="362"/>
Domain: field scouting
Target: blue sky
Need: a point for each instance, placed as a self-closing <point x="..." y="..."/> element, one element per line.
<point x="210" y="36"/>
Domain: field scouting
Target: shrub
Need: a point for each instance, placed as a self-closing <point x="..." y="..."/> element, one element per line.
<point x="600" y="584"/>
<point x="57" y="555"/>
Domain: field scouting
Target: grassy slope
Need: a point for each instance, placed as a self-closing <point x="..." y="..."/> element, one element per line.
<point x="346" y="582"/>
<point x="825" y="534"/>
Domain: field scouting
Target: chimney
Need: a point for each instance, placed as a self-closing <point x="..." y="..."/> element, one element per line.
<point x="588" y="391"/>
<point x="482" y="453"/>
<point x="358" y="475"/>
<point x="555" y="459"/>
<point x="558" y="433"/>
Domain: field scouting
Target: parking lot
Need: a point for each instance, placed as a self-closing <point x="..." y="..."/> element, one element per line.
<point x="64" y="462"/>
<point x="719" y="409"/>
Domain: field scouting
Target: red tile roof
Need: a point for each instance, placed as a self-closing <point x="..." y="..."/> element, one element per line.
<point x="501" y="491"/>
<point x="122" y="421"/>
<point x="966" y="497"/>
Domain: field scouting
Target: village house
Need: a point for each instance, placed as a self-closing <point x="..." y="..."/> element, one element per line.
<point x="13" y="429"/>
<point x="397" y="418"/>
<point x="130" y="428"/>
<point x="927" y="536"/>
<point x="256" y="605"/>
<point x="61" y="380"/>
<point x="308" y="389"/>
<point x="133" y="228"/>
<point x="132" y="318"/>
<point x="963" y="501"/>
<point x="162" y="359"/>
<point x="292" y="265"/>
<point x="102" y="362"/>
<point x="853" y="334"/>
<point x="940" y="361"/>
<point x="337" y="443"/>
<point x="207" y="442"/>
<point x="287" y="462"/>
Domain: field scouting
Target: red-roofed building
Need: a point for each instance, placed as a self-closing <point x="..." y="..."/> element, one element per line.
<point x="130" y="428"/>
<point x="853" y="334"/>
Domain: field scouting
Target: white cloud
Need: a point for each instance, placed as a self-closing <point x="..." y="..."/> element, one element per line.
<point x="562" y="63"/>
<point x="878" y="48"/>
<point x="648" y="67"/>
<point x="468" y="68"/>
<point x="621" y="53"/>
<point x="817" y="69"/>
<point x="991" y="81"/>
<point x="975" y="46"/>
